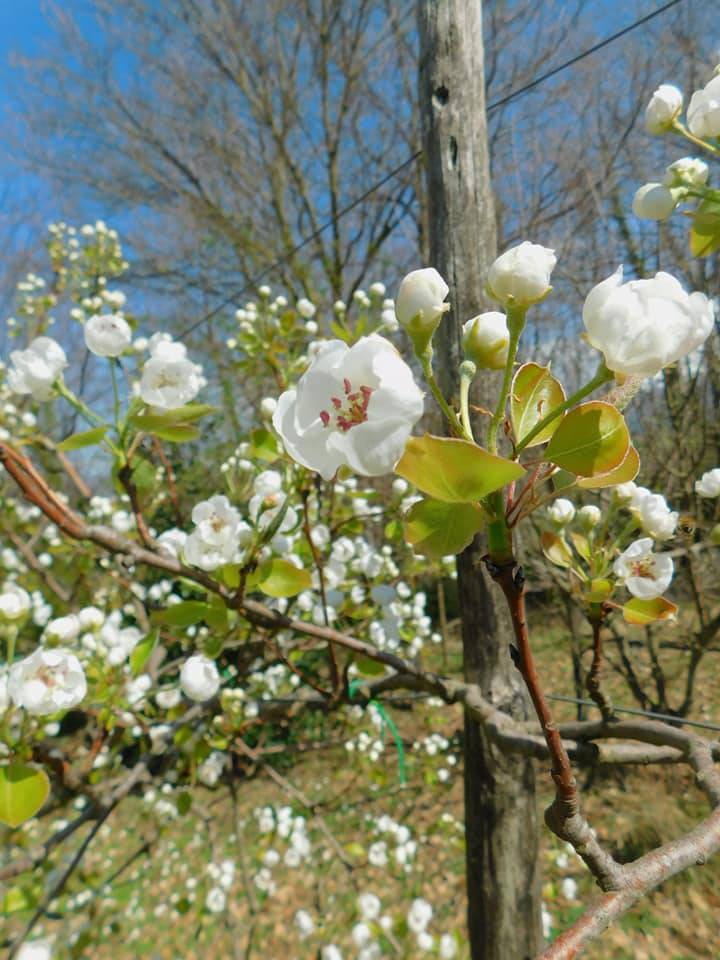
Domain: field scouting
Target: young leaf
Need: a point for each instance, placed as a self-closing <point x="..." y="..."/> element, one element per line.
<point x="140" y="655"/>
<point x="264" y="445"/>
<point x="23" y="791"/>
<point x="639" y="612"/>
<point x="627" y="470"/>
<point x="436" y="529"/>
<point x="534" y="393"/>
<point x="454" y="471"/>
<point x="555" y="549"/>
<point x="183" y="614"/>
<point x="705" y="229"/>
<point x="591" y="440"/>
<point x="174" y="432"/>
<point x="86" y="439"/>
<point x="280" y="578"/>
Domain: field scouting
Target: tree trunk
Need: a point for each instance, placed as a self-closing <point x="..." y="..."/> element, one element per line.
<point x="500" y="806"/>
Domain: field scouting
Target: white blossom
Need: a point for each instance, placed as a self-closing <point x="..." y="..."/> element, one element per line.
<point x="521" y="275"/>
<point x="304" y="924"/>
<point x="353" y="406"/>
<point x="562" y="512"/>
<point x="14" y="602"/>
<point x="215" y="900"/>
<point x="664" y="106"/>
<point x="485" y="340"/>
<point x="687" y="172"/>
<point x="47" y="681"/>
<point x="64" y="629"/>
<point x="447" y="947"/>
<point x="656" y="517"/>
<point x="369" y="905"/>
<point x="644" y="325"/>
<point x="419" y="915"/>
<point x="107" y="335"/>
<point x="169" y="380"/>
<point x="653" y="201"/>
<point x="707" y="486"/>
<point x="646" y="574"/>
<point x="199" y="678"/>
<point x="36" y="369"/>
<point x="703" y="112"/>
<point x="35" y="950"/>
<point x="306" y="308"/>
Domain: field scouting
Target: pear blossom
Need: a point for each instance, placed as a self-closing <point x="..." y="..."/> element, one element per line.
<point x="625" y="491"/>
<point x="656" y="517"/>
<point x="14" y="602"/>
<point x="35" y="950"/>
<point x="47" y="681"/>
<point x="354" y="406"/>
<point x="687" y="172"/>
<point x="199" y="678"/>
<point x="215" y="519"/>
<point x="644" y="325"/>
<point x="107" y="335"/>
<point x="306" y="308"/>
<point x="521" y="275"/>
<point x="419" y="915"/>
<point x="172" y="541"/>
<point x="64" y="629"/>
<point x="215" y="900"/>
<point x="485" y="340"/>
<point x="589" y="516"/>
<point x="169" y="379"/>
<point x="653" y="201"/>
<point x="419" y="305"/>
<point x="369" y="905"/>
<point x="4" y="694"/>
<point x="447" y="947"/>
<point x="646" y="575"/>
<point x="709" y="484"/>
<point x="562" y="511"/>
<point x="36" y="369"/>
<point x="304" y="924"/>
<point x="664" y="106"/>
<point x="703" y="112"/>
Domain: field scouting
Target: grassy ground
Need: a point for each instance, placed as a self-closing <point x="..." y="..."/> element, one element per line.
<point x="149" y="910"/>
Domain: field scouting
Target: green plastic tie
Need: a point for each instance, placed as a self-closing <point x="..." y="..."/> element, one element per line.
<point x="385" y="721"/>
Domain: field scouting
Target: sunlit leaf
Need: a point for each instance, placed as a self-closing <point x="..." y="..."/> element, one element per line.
<point x="556" y="549"/>
<point x="437" y="529"/>
<point x="86" y="439"/>
<point x="640" y="612"/>
<point x="280" y="578"/>
<point x="534" y="393"/>
<point x="23" y="791"/>
<point x="592" y="439"/>
<point x="626" y="471"/>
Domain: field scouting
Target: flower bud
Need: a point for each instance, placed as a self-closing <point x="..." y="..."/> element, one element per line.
<point x="687" y="172"/>
<point x="709" y="484"/>
<point x="653" y="201"/>
<point x="306" y="308"/>
<point x="665" y="104"/>
<point x="561" y="512"/>
<point x="703" y="112"/>
<point x="589" y="516"/>
<point x="485" y="340"/>
<point x="419" y="305"/>
<point x="107" y="335"/>
<point x="521" y="275"/>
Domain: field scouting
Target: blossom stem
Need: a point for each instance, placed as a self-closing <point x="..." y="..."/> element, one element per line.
<point x="86" y="413"/>
<point x="516" y="323"/>
<point x="116" y="394"/>
<point x="426" y="361"/>
<point x="467" y="373"/>
<point x="602" y="376"/>
<point x="684" y="132"/>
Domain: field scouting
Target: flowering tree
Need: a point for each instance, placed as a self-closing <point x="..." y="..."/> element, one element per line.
<point x="179" y="638"/>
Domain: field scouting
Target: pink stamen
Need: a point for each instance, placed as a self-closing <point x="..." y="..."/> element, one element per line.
<point x="325" y="417"/>
<point x="353" y="412"/>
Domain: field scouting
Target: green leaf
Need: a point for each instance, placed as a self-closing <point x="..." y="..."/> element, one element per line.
<point x="86" y="439"/>
<point x="187" y="414"/>
<point x="639" y="612"/>
<point x="16" y="900"/>
<point x="454" y="471"/>
<point x="160" y="427"/>
<point x="436" y="529"/>
<point x="705" y="229"/>
<point x="592" y="439"/>
<point x="280" y="578"/>
<point x="217" y="615"/>
<point x="230" y="575"/>
<point x="183" y="803"/>
<point x="264" y="445"/>
<point x="628" y="470"/>
<point x="140" y="655"/>
<point x="534" y="393"/>
<point x="23" y="791"/>
<point x="555" y="549"/>
<point x="183" y="614"/>
<point x="581" y="544"/>
<point x="368" y="667"/>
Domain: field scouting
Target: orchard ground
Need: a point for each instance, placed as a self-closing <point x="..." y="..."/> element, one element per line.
<point x="350" y="804"/>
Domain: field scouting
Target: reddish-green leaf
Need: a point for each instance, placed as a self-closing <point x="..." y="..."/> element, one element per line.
<point x="640" y="612"/>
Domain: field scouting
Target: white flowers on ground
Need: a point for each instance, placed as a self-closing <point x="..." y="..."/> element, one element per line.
<point x="654" y="201"/>
<point x="521" y="275"/>
<point x="107" y="335"/>
<point x="486" y="340"/>
<point x="703" y="112"/>
<point x="561" y="512"/>
<point x="304" y="924"/>
<point x="169" y="380"/>
<point x="354" y="406"/>
<point x="199" y="678"/>
<point x="707" y="486"/>
<point x="47" y="681"/>
<point x="419" y="915"/>
<point x="215" y="900"/>
<point x="644" y="325"/>
<point x="656" y="517"/>
<point x="665" y="104"/>
<point x="35" y="950"/>
<point x="419" y="305"/>
<point x="14" y="602"/>
<point x="36" y="369"/>
<point x="219" y="534"/>
<point x="647" y="575"/>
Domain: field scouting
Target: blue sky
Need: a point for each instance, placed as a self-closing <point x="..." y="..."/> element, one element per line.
<point x="22" y="28"/>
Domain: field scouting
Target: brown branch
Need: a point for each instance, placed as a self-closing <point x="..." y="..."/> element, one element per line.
<point x="592" y="681"/>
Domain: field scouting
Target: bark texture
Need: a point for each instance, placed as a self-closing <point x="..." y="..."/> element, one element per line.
<point x="500" y="806"/>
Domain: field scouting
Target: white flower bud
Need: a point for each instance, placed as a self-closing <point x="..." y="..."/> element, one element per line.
<point x="419" y="305"/>
<point x="589" y="516"/>
<point x="561" y="512"/>
<point x="521" y="275"/>
<point x="709" y="484"/>
<point x="703" y="112"/>
<point x="687" y="172"/>
<point x="199" y="678"/>
<point x="14" y="602"/>
<point x="486" y="340"/>
<point x="653" y="201"/>
<point x="64" y="629"/>
<point x="268" y="406"/>
<point x="665" y="104"/>
<point x="305" y="308"/>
